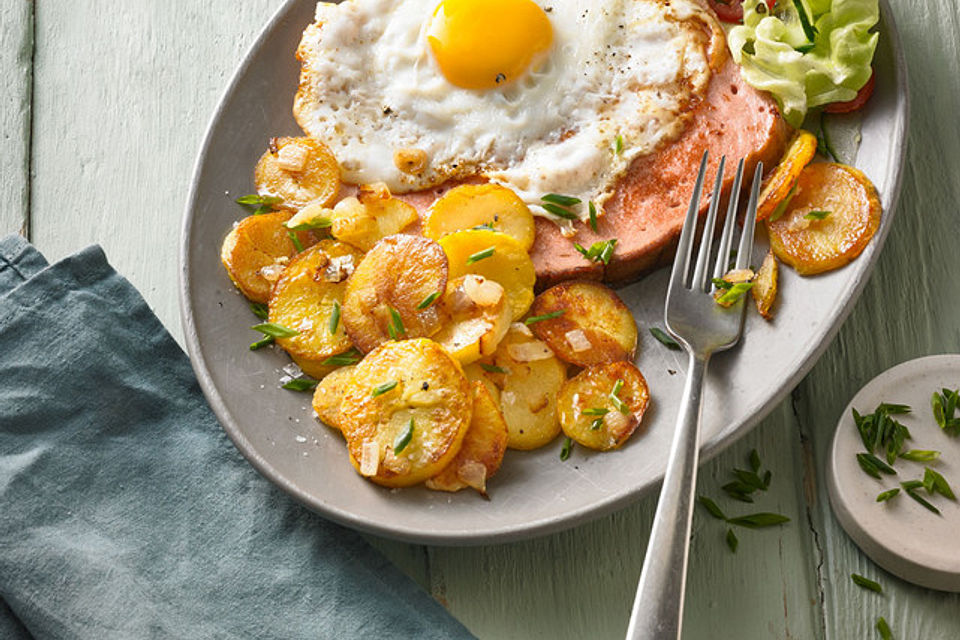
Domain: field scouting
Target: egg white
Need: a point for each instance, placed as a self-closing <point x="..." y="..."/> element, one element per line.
<point x="625" y="69"/>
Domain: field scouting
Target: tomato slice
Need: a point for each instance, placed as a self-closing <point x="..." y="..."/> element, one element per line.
<point x="862" y="96"/>
<point x="732" y="10"/>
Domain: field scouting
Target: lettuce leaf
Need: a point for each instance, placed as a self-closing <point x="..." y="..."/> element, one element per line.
<point x="775" y="54"/>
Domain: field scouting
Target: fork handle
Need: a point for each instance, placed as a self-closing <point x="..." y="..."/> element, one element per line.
<point x="658" y="606"/>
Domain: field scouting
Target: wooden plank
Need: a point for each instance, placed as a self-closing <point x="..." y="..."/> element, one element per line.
<point x="16" y="55"/>
<point x="580" y="583"/>
<point x="123" y="93"/>
<point x="909" y="309"/>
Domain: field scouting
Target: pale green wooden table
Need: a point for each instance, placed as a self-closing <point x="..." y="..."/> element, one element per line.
<point x="102" y="112"/>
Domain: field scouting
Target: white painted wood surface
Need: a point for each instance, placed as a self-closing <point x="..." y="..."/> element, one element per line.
<point x="102" y="114"/>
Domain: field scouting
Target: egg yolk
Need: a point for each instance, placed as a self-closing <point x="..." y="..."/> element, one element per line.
<point x="481" y="44"/>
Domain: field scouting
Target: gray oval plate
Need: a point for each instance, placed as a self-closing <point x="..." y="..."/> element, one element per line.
<point x="534" y="493"/>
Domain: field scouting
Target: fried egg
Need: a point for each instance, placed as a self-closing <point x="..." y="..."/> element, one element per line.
<point x="557" y="97"/>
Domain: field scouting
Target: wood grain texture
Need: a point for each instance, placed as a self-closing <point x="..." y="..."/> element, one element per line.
<point x="16" y="54"/>
<point x="122" y="93"/>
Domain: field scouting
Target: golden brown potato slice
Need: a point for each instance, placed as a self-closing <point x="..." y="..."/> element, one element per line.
<point x="528" y="388"/>
<point x="602" y="406"/>
<point x="482" y="450"/>
<point x="831" y="218"/>
<point x="776" y="189"/>
<point x="308" y="298"/>
<point x="495" y="256"/>
<point x="766" y="285"/>
<point x="370" y="217"/>
<point x="476" y="316"/>
<point x="298" y="171"/>
<point x="257" y="250"/>
<point x="585" y="323"/>
<point x="329" y="394"/>
<point x="485" y="372"/>
<point x="481" y="205"/>
<point x="405" y="412"/>
<point x="391" y="294"/>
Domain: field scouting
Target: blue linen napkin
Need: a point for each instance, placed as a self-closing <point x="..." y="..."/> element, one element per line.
<point x="125" y="512"/>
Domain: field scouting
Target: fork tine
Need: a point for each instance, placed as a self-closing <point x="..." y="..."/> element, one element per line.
<point x="700" y="272"/>
<point x="750" y="221"/>
<point x="681" y="263"/>
<point x="726" y="237"/>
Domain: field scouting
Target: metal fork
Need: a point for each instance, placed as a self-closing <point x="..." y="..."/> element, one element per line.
<point x="702" y="327"/>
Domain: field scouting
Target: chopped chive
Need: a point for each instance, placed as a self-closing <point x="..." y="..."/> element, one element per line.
<point x="259" y="344"/>
<point x="912" y="492"/>
<point x="395" y="328"/>
<point x="881" y="466"/>
<point x="920" y="455"/>
<point x="314" y="223"/>
<point x="492" y="368"/>
<point x="619" y="404"/>
<point x="618" y="145"/>
<point x="888" y="494"/>
<point x="910" y="485"/>
<point x="712" y="507"/>
<point x="296" y="241"/>
<point x="343" y="359"/>
<point x="260" y="310"/>
<point x="759" y="520"/>
<point x="481" y="255"/>
<point x="596" y="411"/>
<point x="546" y="316"/>
<point x="732" y="540"/>
<point x="735" y="293"/>
<point x="486" y="226"/>
<point x="596" y="424"/>
<point x="720" y="283"/>
<point x="817" y="215"/>
<point x="866" y="583"/>
<point x="301" y="384"/>
<point x="256" y="200"/>
<point x="750" y="478"/>
<point x="601" y="251"/>
<point x="944" y="405"/>
<point x="754" y="460"/>
<point x="738" y="491"/>
<point x="429" y="300"/>
<point x="560" y="212"/>
<point x="884" y="629"/>
<point x="566" y="449"/>
<point x="808" y="29"/>
<point x="381" y="389"/>
<point x="782" y="207"/>
<point x="403" y="438"/>
<point x="592" y="210"/>
<point x="562" y="200"/>
<point x="937" y="484"/>
<point x="867" y="466"/>
<point x="335" y="317"/>
<point x="665" y="339"/>
<point x="275" y="330"/>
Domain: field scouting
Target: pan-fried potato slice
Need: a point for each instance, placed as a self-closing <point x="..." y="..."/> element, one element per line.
<point x="593" y="325"/>
<point x="476" y="372"/>
<point x="590" y="415"/>
<point x="476" y="316"/>
<point x="405" y="412"/>
<point x="370" y="217"/>
<point x="528" y="389"/>
<point x="766" y="285"/>
<point x="306" y="299"/>
<point x="329" y="394"/>
<point x="390" y="285"/>
<point x="831" y="218"/>
<point x="495" y="256"/>
<point x="257" y="250"/>
<point x="298" y="171"/>
<point x="316" y="369"/>
<point x="482" y="450"/>
<point x="799" y="153"/>
<point x="477" y="205"/>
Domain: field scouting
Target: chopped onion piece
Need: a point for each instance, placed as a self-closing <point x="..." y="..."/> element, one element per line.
<point x="521" y="328"/>
<point x="271" y="272"/>
<point x="483" y="292"/>
<point x="369" y="458"/>
<point x="578" y="340"/>
<point x="339" y="269"/>
<point x="530" y="351"/>
<point x="616" y="422"/>
<point x="293" y="157"/>
<point x="474" y="474"/>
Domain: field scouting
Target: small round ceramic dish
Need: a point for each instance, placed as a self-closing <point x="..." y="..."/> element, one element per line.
<point x="901" y="535"/>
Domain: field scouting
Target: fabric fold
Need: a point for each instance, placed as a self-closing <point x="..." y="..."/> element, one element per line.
<point x="128" y="513"/>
